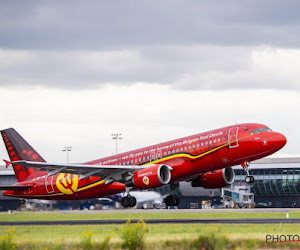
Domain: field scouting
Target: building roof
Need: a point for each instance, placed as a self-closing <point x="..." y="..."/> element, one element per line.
<point x="277" y="160"/>
<point x="6" y="171"/>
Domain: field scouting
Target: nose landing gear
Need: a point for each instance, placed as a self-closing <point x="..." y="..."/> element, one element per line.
<point x="249" y="178"/>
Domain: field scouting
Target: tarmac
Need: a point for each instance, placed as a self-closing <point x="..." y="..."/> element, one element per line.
<point x="169" y="221"/>
<point x="153" y="221"/>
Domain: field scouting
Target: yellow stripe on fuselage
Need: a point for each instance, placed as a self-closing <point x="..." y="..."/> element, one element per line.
<point x="90" y="186"/>
<point x="59" y="194"/>
<point x="192" y="157"/>
<point x="185" y="155"/>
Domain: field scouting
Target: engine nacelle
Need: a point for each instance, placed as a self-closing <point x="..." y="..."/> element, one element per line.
<point x="151" y="177"/>
<point x="215" y="179"/>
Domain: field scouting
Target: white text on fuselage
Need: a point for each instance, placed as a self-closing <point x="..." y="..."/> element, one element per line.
<point x="144" y="174"/>
<point x="160" y="149"/>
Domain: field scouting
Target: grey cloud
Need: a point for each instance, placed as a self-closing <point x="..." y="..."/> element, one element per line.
<point x="118" y="24"/>
<point x="82" y="69"/>
<point x="183" y="67"/>
<point x="186" y="44"/>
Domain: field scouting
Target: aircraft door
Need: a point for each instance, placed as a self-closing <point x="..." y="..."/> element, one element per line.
<point x="152" y="156"/>
<point x="233" y="137"/>
<point x="49" y="184"/>
<point x="158" y="154"/>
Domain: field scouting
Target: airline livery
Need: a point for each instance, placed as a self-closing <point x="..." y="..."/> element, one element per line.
<point x="203" y="159"/>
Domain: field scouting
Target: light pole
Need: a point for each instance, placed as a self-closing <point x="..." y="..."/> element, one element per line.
<point x="116" y="137"/>
<point x="67" y="149"/>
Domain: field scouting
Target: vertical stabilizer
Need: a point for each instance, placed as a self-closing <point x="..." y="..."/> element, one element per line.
<point x="19" y="149"/>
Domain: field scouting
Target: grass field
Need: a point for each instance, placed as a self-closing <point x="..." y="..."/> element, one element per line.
<point x="155" y="232"/>
<point x="158" y="236"/>
<point x="166" y="236"/>
<point x="124" y="215"/>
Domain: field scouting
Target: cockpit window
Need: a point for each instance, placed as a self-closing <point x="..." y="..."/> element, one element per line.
<point x="266" y="130"/>
<point x="258" y="130"/>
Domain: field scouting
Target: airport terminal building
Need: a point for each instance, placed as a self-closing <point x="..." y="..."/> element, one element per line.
<point x="277" y="181"/>
<point x="277" y="184"/>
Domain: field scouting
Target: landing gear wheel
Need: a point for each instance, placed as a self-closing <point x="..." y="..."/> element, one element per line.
<point x="172" y="200"/>
<point x="249" y="179"/>
<point x="169" y="200"/>
<point x="132" y="201"/>
<point x="128" y="201"/>
<point x="252" y="179"/>
<point x="125" y="202"/>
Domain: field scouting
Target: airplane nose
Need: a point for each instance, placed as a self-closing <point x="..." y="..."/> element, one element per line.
<point x="280" y="140"/>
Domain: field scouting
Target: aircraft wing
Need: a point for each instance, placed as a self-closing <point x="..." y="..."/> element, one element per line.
<point x="107" y="172"/>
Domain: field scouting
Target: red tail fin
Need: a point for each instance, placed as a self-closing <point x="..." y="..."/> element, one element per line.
<point x="18" y="149"/>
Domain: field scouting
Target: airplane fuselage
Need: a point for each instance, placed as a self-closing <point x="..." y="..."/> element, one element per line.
<point x="189" y="157"/>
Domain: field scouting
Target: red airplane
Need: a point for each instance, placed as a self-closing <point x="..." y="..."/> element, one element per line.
<point x="203" y="159"/>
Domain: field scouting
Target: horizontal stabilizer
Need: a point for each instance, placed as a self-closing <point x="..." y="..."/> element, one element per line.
<point x="14" y="188"/>
<point x="7" y="163"/>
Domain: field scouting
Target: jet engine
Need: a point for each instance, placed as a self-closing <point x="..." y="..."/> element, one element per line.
<point x="151" y="177"/>
<point x="215" y="179"/>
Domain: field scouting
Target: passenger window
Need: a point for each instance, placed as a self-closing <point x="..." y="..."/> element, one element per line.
<point x="219" y="140"/>
<point x="190" y="147"/>
<point x="206" y="143"/>
<point x="252" y="131"/>
<point x="198" y="145"/>
<point x="210" y="142"/>
<point x="173" y="151"/>
<point x="194" y="146"/>
<point x="177" y="150"/>
<point x="181" y="149"/>
<point x="215" y="140"/>
<point x="201" y="143"/>
<point x="131" y="161"/>
<point x="185" y="148"/>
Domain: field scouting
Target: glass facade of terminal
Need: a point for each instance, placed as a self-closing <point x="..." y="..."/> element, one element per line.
<point x="273" y="181"/>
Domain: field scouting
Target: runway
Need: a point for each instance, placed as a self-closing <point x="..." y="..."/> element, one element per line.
<point x="152" y="221"/>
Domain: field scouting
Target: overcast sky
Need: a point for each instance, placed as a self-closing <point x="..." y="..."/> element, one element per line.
<point x="73" y="72"/>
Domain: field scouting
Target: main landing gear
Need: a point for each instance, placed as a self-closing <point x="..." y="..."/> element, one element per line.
<point x="249" y="178"/>
<point x="128" y="201"/>
<point x="172" y="199"/>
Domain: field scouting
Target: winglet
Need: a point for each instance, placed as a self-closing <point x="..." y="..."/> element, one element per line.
<point x="7" y="163"/>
